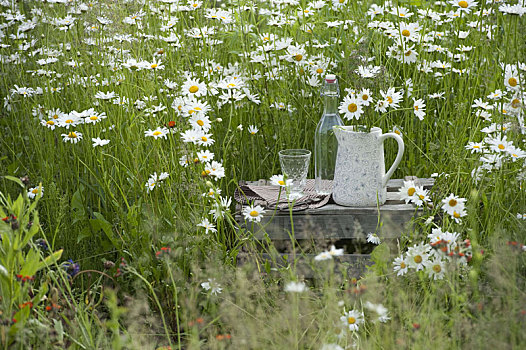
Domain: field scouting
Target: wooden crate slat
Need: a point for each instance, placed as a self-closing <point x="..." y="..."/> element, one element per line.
<point x="335" y="226"/>
<point x="357" y="263"/>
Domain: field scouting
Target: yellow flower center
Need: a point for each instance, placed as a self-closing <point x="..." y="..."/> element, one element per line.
<point x="319" y="70"/>
<point x="463" y="4"/>
<point x="35" y="191"/>
<point x="351" y="320"/>
<point x="411" y="191"/>
<point x="403" y="265"/>
<point x="193" y="89"/>
<point x="157" y="133"/>
<point x="204" y="139"/>
<point x="254" y="213"/>
<point x="341" y="1"/>
<point x="200" y="122"/>
<point x="154" y="65"/>
<point x="365" y="97"/>
<point x="231" y="85"/>
<point x="512" y="81"/>
<point x="405" y="32"/>
<point x="93" y="117"/>
<point x="352" y="107"/>
<point x="515" y="103"/>
<point x="421" y="196"/>
<point x="198" y="108"/>
<point x="281" y="182"/>
<point x="408" y="53"/>
<point x="416" y="108"/>
<point x="389" y="99"/>
<point x="452" y="202"/>
<point x="514" y="155"/>
<point x="417" y="259"/>
<point x="299" y="57"/>
<point x="191" y="111"/>
<point x="501" y="146"/>
<point x="69" y="121"/>
<point x="50" y="122"/>
<point x="55" y="116"/>
<point x="402" y="15"/>
<point x="437" y="268"/>
<point x="266" y="38"/>
<point x="476" y="146"/>
<point x="72" y="135"/>
<point x="398" y="133"/>
<point x="456" y="215"/>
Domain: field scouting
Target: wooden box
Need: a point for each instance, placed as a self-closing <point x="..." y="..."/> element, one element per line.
<point x="345" y="227"/>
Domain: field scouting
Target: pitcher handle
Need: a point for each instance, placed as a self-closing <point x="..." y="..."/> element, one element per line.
<point x="401" y="147"/>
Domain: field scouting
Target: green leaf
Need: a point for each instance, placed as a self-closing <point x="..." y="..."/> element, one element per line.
<point x="100" y="223"/>
<point x="32" y="231"/>
<point x="42" y="290"/>
<point x="77" y="206"/>
<point x="30" y="263"/>
<point x="15" y="179"/>
<point x="381" y="256"/>
<point x="51" y="259"/>
<point x="85" y="233"/>
<point x="59" y="328"/>
<point x="17" y="207"/>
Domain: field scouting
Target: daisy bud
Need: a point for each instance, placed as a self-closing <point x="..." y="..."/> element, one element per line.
<point x="25" y="180"/>
<point x="15" y="225"/>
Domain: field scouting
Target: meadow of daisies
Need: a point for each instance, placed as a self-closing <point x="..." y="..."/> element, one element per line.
<point x="126" y="126"/>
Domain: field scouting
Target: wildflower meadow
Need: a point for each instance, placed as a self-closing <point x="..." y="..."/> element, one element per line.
<point x="126" y="126"/>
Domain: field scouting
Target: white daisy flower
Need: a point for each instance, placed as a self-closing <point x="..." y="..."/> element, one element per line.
<point x="72" y="137"/>
<point x="279" y="180"/>
<point x="401" y="265"/>
<point x="253" y="213"/>
<point x="295" y="287"/>
<point x="193" y="87"/>
<point x="99" y="142"/>
<point x="157" y="133"/>
<point x="352" y="320"/>
<point x="34" y="191"/>
<point x="209" y="227"/>
<point x="212" y="286"/>
<point x="373" y="238"/>
<point x="351" y="107"/>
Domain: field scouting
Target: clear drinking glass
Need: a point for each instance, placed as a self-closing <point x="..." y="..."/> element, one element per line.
<point x="295" y="165"/>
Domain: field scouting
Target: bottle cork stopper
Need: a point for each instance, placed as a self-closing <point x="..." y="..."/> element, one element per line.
<point x="330" y="78"/>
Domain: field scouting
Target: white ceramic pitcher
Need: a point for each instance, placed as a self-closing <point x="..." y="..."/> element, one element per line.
<point x="360" y="178"/>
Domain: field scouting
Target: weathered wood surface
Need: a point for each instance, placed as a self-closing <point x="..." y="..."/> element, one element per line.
<point x="355" y="263"/>
<point x="333" y="221"/>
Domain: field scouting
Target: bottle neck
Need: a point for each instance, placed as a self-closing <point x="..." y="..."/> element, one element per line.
<point x="330" y="104"/>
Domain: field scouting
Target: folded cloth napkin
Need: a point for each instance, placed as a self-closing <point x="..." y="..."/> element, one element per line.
<point x="275" y="196"/>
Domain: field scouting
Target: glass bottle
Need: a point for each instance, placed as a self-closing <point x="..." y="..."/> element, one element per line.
<point x="325" y="143"/>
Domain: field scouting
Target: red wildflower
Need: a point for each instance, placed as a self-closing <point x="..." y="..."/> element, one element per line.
<point x="27" y="303"/>
<point x="163" y="251"/>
